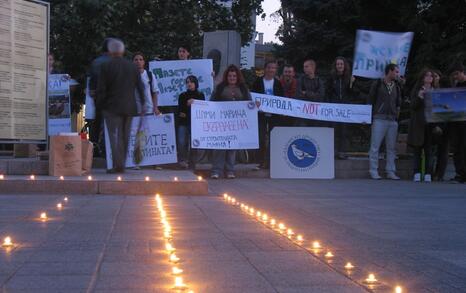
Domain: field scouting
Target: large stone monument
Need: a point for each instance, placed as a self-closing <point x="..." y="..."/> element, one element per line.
<point x="224" y="48"/>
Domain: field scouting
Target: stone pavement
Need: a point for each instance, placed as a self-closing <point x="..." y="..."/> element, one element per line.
<point x="405" y="233"/>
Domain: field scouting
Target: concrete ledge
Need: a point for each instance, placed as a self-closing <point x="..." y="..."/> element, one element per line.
<point x="70" y="186"/>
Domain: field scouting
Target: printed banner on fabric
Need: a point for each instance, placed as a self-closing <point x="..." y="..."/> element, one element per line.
<point x="171" y="76"/>
<point x="374" y="50"/>
<point x="348" y="113"/>
<point x="224" y="125"/>
<point x="59" y="104"/>
<point x="445" y="105"/>
<point x="158" y="142"/>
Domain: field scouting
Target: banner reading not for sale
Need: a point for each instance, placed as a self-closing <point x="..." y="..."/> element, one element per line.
<point x="224" y="125"/>
<point x="157" y="142"/>
<point x="346" y="113"/>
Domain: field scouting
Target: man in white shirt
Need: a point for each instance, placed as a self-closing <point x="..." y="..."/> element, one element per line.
<point x="151" y="89"/>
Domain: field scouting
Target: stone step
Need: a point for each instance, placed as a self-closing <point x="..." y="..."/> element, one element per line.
<point x="132" y="183"/>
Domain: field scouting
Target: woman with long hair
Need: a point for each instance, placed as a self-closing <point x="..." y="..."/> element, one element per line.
<point x="339" y="91"/>
<point x="420" y="132"/>
<point x="232" y="88"/>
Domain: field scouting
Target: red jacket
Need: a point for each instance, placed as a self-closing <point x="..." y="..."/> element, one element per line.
<point x="289" y="88"/>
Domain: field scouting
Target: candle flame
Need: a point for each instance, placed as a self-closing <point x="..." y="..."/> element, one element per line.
<point x="371" y="278"/>
<point x="176" y="271"/>
<point x="174" y="258"/>
<point x="147" y="178"/>
<point x="7" y="241"/>
<point x="398" y="289"/>
<point x="349" y="266"/>
<point x="43" y="216"/>
<point x="59" y="205"/>
<point x="316" y="245"/>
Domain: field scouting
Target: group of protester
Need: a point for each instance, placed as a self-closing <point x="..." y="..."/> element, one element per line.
<point x="119" y="86"/>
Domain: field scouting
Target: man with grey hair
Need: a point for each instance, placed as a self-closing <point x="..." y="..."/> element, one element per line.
<point x="119" y="78"/>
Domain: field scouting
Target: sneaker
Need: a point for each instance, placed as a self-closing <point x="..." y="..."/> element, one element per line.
<point x="375" y="175"/>
<point x="214" y="176"/>
<point x="392" y="176"/>
<point x="231" y="176"/>
<point x="417" y="177"/>
<point x="428" y="178"/>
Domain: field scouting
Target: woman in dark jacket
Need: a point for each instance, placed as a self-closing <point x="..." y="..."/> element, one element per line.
<point x="232" y="88"/>
<point x="420" y="132"/>
<point x="184" y="120"/>
<point x="339" y="91"/>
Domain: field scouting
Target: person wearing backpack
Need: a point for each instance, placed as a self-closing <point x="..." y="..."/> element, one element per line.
<point x="151" y="89"/>
<point x="385" y="97"/>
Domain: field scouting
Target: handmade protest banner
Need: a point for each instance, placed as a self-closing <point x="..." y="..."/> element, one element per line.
<point x="59" y="104"/>
<point x="347" y="113"/>
<point x="445" y="105"/>
<point x="374" y="50"/>
<point x="224" y="125"/>
<point x="171" y="76"/>
<point x="158" y="142"/>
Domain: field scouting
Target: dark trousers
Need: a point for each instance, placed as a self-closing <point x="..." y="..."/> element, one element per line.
<point x="119" y="127"/>
<point x="341" y="137"/>
<point x="457" y="132"/>
<point x="266" y="124"/>
<point x="442" y="150"/>
<point x="427" y="148"/>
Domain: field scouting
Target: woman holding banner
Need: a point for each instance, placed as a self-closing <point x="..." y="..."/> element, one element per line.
<point x="420" y="132"/>
<point x="232" y="88"/>
<point x="184" y="121"/>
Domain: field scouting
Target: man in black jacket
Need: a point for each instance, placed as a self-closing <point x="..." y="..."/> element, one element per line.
<point x="119" y="78"/>
<point x="269" y="85"/>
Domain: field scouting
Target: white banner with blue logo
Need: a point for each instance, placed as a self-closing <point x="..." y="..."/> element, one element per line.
<point x="224" y="125"/>
<point x="158" y="143"/>
<point x="59" y="119"/>
<point x="347" y="113"/>
<point x="302" y="152"/>
<point x="374" y="50"/>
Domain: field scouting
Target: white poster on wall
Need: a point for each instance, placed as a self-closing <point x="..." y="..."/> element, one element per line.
<point x="158" y="142"/>
<point x="171" y="76"/>
<point x="302" y="153"/>
<point x="374" y="50"/>
<point x="224" y="125"/>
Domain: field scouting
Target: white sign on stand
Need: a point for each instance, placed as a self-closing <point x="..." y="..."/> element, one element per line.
<point x="158" y="143"/>
<point x="302" y="153"/>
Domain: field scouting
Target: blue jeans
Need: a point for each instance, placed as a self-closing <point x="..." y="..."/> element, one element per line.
<point x="182" y="138"/>
<point x="383" y="130"/>
<point x="223" y="160"/>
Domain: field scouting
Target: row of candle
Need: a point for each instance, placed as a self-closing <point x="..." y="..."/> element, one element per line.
<point x="43" y="217"/>
<point x="173" y="259"/>
<point x="90" y="178"/>
<point x="315" y="246"/>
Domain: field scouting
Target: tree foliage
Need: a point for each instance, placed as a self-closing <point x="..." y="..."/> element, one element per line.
<point x="324" y="29"/>
<point x="155" y="27"/>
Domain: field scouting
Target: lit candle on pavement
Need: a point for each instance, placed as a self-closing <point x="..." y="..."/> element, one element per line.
<point x="398" y="289"/>
<point x="349" y="266"/>
<point x="371" y="279"/>
<point x="7" y="242"/>
<point x="32" y="177"/>
<point x="62" y="178"/>
<point x="43" y="216"/>
<point x="174" y="258"/>
<point x="176" y="271"/>
<point x="59" y="205"/>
